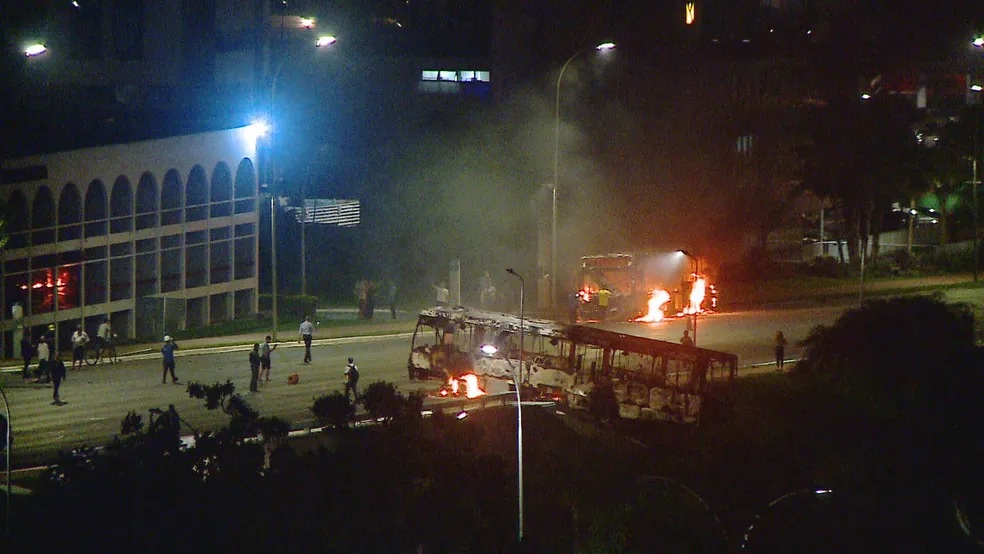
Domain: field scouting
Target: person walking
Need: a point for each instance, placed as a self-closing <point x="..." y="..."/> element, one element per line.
<point x="780" y="343"/>
<point x="44" y="352"/>
<point x="352" y="380"/>
<point x="57" y="369"/>
<point x="306" y="330"/>
<point x="686" y="339"/>
<point x="27" y="352"/>
<point x="265" y="349"/>
<point x="167" y="353"/>
<point x="254" y="368"/>
<point x="604" y="299"/>
<point x="79" y="339"/>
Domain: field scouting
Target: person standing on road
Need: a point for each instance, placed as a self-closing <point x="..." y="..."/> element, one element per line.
<point x="687" y="340"/>
<point x="79" y="339"/>
<point x="44" y="352"/>
<point x="265" y="349"/>
<point x="306" y="330"/>
<point x="254" y="368"/>
<point x="391" y="298"/>
<point x="443" y="294"/>
<point x="103" y="334"/>
<point x="27" y="352"/>
<point x="352" y="380"/>
<point x="604" y="298"/>
<point x="57" y="368"/>
<point x="167" y="353"/>
<point x="780" y="341"/>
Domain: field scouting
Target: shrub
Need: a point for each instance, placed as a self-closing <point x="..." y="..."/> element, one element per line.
<point x="383" y="401"/>
<point x="333" y="410"/>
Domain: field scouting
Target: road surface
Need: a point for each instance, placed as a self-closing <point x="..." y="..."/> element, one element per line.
<point x="99" y="397"/>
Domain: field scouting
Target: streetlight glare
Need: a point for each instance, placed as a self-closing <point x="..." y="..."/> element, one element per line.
<point x="976" y="88"/>
<point x="489" y="349"/>
<point x="605" y="46"/>
<point x="325" y="40"/>
<point x="865" y="96"/>
<point x="259" y="128"/>
<point x="35" y="49"/>
<point x="979" y="42"/>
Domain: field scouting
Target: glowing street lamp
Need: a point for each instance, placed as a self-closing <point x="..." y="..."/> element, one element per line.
<point x="325" y="40"/>
<point x="603" y="47"/>
<point x="35" y="49"/>
<point x="979" y="42"/>
<point x="519" y="401"/>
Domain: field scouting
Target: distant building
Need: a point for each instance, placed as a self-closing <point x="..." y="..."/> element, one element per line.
<point x="159" y="235"/>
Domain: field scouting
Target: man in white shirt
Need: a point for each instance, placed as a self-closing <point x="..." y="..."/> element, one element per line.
<point x="43" y="354"/>
<point x="443" y="294"/>
<point x="104" y="333"/>
<point x="306" y="330"/>
<point x="79" y="339"/>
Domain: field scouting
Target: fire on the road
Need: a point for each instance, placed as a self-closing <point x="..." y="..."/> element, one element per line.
<point x="453" y="386"/>
<point x="657" y="299"/>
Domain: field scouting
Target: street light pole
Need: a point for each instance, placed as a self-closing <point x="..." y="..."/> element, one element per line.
<point x="519" y="400"/>
<point x="6" y="451"/>
<point x="273" y="257"/>
<point x="556" y="179"/>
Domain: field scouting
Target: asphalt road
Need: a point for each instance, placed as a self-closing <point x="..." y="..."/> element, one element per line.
<point x="98" y="398"/>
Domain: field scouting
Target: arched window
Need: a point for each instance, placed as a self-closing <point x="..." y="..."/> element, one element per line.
<point x="221" y="185"/>
<point x="196" y="195"/>
<point x="121" y="206"/>
<point x="43" y="217"/>
<point x="95" y="209"/>
<point x="17" y="225"/>
<point x="171" y="198"/>
<point x="146" y="201"/>
<point x="245" y="186"/>
<point x="69" y="213"/>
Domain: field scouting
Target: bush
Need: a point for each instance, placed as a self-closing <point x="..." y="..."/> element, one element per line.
<point x="383" y="401"/>
<point x="333" y="410"/>
<point x="294" y="306"/>
<point x="823" y="266"/>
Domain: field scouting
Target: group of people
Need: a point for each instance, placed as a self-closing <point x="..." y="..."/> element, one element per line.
<point x="51" y="368"/>
<point x="367" y="290"/>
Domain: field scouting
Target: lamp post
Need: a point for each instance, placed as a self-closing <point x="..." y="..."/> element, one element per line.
<point x="519" y="401"/>
<point x="605" y="46"/>
<point x="6" y="452"/>
<point x="696" y="262"/>
<point x="321" y="42"/>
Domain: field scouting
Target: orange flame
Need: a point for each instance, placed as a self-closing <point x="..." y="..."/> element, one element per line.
<point x="697" y="293"/>
<point x="470" y="380"/>
<point x="657" y="299"/>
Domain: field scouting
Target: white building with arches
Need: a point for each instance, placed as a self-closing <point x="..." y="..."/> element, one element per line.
<point x="158" y="235"/>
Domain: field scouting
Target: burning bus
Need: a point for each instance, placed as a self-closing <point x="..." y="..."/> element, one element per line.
<point x="652" y="379"/>
<point x="642" y="287"/>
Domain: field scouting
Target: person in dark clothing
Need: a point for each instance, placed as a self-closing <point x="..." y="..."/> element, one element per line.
<point x="352" y="380"/>
<point x="391" y="297"/>
<point x="167" y="353"/>
<point x="57" y="368"/>
<point x="27" y="352"/>
<point x="254" y="368"/>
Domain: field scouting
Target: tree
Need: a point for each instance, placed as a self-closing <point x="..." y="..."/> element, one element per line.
<point x="859" y="154"/>
<point x="333" y="410"/>
<point x="912" y="365"/>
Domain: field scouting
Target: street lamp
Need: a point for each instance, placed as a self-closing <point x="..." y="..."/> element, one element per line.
<point x="6" y="451"/>
<point x="603" y="47"/>
<point x="35" y="49"/>
<point x="696" y="262"/>
<point x="322" y="41"/>
<point x="519" y="401"/>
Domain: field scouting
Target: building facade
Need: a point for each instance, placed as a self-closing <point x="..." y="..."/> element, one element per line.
<point x="158" y="235"/>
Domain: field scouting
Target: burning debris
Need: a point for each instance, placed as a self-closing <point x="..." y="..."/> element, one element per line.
<point x="453" y="387"/>
<point x="657" y="299"/>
